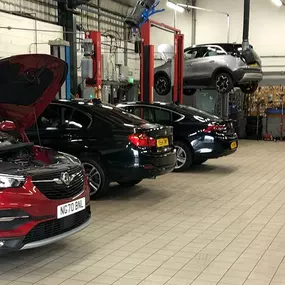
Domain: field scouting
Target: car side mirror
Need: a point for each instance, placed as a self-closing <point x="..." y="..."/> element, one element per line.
<point x="7" y="126"/>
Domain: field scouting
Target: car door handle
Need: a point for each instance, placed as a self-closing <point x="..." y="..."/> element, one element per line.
<point x="211" y="61"/>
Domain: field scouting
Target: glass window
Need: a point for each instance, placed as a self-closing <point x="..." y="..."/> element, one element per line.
<point x="79" y="120"/>
<point x="130" y="109"/>
<point x="191" y="54"/>
<point x="144" y="112"/>
<point x="114" y="114"/>
<point x="54" y="116"/>
<point x="213" y="51"/>
<point x="176" y="117"/>
<point x="148" y="114"/>
<point x="162" y="116"/>
<point x="137" y="111"/>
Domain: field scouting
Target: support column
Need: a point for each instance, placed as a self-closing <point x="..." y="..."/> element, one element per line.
<point x="246" y="15"/>
<point x="146" y="65"/>
<point x="67" y="19"/>
<point x="194" y="23"/>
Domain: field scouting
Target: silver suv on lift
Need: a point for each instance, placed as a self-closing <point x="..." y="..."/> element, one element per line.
<point x="221" y="66"/>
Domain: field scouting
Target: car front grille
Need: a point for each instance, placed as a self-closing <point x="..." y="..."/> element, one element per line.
<point x="53" y="228"/>
<point x="54" y="191"/>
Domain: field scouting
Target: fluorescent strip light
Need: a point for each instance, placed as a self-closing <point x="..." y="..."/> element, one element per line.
<point x="277" y="2"/>
<point x="175" y="7"/>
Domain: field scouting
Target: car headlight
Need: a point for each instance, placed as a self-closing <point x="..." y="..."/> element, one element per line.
<point x="10" y="181"/>
<point x="72" y="158"/>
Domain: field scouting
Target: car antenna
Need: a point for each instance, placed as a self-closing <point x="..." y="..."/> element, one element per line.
<point x="37" y="127"/>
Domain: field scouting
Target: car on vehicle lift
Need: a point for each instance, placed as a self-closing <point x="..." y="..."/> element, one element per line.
<point x="221" y="66"/>
<point x="198" y="135"/>
<point x="44" y="194"/>
<point x="113" y="145"/>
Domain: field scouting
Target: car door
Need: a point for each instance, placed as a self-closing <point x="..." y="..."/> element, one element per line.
<point x="211" y="60"/>
<point x="189" y="60"/>
<point x="75" y="130"/>
<point x="49" y="128"/>
<point x="193" y="67"/>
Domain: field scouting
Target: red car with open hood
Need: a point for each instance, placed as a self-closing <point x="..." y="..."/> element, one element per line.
<point x="44" y="194"/>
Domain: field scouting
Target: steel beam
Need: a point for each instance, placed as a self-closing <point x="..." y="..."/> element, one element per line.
<point x="68" y="20"/>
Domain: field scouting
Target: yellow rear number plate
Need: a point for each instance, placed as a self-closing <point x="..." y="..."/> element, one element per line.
<point x="233" y="145"/>
<point x="162" y="142"/>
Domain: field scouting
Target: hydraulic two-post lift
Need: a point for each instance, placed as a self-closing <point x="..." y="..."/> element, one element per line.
<point x="147" y="62"/>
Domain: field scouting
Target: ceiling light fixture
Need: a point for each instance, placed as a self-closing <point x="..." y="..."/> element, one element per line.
<point x="278" y="3"/>
<point x="174" y="6"/>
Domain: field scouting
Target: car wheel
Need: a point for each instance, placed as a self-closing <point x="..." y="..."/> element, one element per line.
<point x="162" y="84"/>
<point x="189" y="92"/>
<point x="128" y="184"/>
<point x="97" y="177"/>
<point x="200" y="161"/>
<point x="249" y="88"/>
<point x="224" y="83"/>
<point x="184" y="157"/>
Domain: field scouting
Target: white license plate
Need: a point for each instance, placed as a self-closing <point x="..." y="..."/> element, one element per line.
<point x="70" y="208"/>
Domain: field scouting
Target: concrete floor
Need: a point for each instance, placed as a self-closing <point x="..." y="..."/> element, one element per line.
<point x="221" y="223"/>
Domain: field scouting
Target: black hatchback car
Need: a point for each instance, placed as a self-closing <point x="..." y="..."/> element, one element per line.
<point x="198" y="135"/>
<point x="113" y="145"/>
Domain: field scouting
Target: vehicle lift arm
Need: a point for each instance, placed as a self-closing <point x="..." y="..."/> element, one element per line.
<point x="139" y="18"/>
<point x="147" y="62"/>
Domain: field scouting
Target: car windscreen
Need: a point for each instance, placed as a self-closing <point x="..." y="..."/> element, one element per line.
<point x="116" y="114"/>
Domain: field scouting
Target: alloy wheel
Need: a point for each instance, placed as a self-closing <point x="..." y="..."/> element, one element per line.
<point x="222" y="83"/>
<point x="161" y="85"/>
<point x="181" y="157"/>
<point x="94" y="177"/>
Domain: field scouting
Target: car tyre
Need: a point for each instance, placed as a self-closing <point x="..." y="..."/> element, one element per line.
<point x="184" y="156"/>
<point x="189" y="92"/>
<point x="129" y="184"/>
<point x="224" y="83"/>
<point x="162" y="84"/>
<point x="97" y="176"/>
<point x="249" y="88"/>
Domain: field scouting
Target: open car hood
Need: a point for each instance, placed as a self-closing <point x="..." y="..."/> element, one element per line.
<point x="28" y="83"/>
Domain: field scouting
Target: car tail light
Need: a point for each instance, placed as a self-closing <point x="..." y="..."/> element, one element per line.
<point x="215" y="128"/>
<point x="142" y="140"/>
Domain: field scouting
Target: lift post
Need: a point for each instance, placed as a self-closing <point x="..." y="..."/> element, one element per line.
<point x="147" y="62"/>
<point x="96" y="80"/>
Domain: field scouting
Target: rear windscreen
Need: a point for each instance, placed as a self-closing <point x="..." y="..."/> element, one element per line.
<point x="195" y="112"/>
<point x="116" y="115"/>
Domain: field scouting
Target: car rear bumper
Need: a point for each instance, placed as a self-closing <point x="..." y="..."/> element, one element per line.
<point x="247" y="75"/>
<point x="144" y="166"/>
<point x="218" y="148"/>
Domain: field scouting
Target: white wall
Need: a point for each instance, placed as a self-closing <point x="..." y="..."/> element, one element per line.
<point x="14" y="42"/>
<point x="183" y="22"/>
<point x="267" y="23"/>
